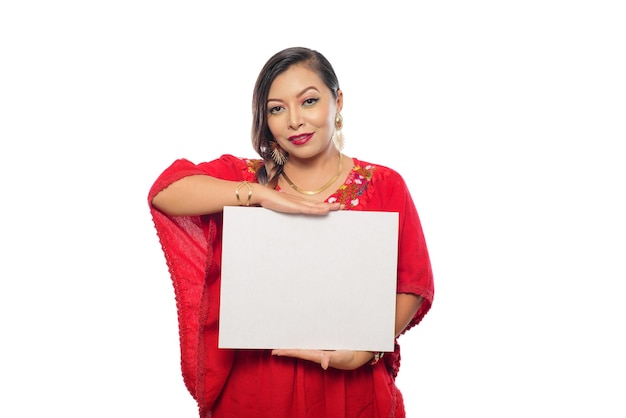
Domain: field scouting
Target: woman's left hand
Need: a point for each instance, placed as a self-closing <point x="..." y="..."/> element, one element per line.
<point x="337" y="359"/>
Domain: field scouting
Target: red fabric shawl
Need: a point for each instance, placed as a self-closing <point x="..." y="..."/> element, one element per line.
<point x="252" y="383"/>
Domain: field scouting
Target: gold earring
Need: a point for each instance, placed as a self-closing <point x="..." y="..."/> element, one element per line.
<point x="338" y="138"/>
<point x="278" y="154"/>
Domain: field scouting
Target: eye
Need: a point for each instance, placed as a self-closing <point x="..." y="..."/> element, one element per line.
<point x="275" y="110"/>
<point x="310" y="102"/>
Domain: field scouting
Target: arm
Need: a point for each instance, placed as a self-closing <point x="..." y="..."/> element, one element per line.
<point x="202" y="194"/>
<point x="407" y="305"/>
<point x="199" y="195"/>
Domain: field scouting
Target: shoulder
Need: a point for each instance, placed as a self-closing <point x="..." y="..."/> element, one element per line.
<point x="226" y="166"/>
<point x="236" y="161"/>
<point x="377" y="173"/>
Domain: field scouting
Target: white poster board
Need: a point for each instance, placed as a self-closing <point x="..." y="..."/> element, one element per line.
<point x="318" y="282"/>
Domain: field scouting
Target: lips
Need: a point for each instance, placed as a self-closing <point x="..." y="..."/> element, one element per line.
<point x="300" y="139"/>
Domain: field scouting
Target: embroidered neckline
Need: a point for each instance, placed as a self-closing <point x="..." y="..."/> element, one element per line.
<point x="352" y="189"/>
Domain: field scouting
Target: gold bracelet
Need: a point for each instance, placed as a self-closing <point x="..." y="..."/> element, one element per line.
<point x="239" y="186"/>
<point x="377" y="356"/>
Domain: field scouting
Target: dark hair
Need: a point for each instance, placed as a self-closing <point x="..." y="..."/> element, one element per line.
<point x="276" y="65"/>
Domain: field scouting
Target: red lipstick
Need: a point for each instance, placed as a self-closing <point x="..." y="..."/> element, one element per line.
<point x="300" y="139"/>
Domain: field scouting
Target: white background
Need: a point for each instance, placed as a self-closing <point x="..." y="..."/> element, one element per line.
<point x="505" y="118"/>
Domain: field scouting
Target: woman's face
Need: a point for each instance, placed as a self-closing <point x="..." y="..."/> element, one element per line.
<point x="301" y="112"/>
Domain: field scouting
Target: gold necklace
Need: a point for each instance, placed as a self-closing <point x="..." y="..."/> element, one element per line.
<point x="321" y="189"/>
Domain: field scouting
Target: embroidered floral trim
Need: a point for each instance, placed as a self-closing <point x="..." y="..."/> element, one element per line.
<point x="253" y="165"/>
<point x="355" y="186"/>
<point x="349" y="193"/>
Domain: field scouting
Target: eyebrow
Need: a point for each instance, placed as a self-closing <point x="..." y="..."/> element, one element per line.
<point x="269" y="99"/>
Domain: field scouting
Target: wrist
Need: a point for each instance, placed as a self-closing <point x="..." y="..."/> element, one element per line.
<point x="376" y="356"/>
<point x="365" y="358"/>
<point x="243" y="193"/>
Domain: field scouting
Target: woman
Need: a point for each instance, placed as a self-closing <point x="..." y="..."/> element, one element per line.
<point x="297" y="133"/>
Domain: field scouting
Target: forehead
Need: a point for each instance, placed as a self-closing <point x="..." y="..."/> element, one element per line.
<point x="294" y="79"/>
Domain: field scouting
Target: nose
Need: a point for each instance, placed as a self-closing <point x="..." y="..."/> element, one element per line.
<point x="295" y="120"/>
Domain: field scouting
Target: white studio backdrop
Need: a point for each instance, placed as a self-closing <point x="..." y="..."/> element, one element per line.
<point x="505" y="118"/>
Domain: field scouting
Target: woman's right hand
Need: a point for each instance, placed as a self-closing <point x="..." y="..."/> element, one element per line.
<point x="288" y="203"/>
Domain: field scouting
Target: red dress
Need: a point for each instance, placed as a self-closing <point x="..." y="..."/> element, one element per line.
<point x="252" y="383"/>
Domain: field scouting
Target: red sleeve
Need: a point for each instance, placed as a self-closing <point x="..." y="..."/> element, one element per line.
<point x="189" y="247"/>
<point x="226" y="167"/>
<point x="389" y="192"/>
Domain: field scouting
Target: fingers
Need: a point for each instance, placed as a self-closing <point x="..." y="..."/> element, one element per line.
<point x="321" y="208"/>
<point x="315" y="208"/>
<point x="316" y="356"/>
<point x="341" y="359"/>
<point x="287" y="203"/>
<point x="325" y="360"/>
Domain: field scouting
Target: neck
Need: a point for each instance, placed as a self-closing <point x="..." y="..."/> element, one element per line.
<point x="320" y="189"/>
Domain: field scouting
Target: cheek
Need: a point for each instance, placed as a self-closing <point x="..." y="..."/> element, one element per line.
<point x="273" y="125"/>
<point x="324" y="119"/>
<point x="330" y="121"/>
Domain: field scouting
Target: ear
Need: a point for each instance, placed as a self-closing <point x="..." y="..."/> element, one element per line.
<point x="339" y="100"/>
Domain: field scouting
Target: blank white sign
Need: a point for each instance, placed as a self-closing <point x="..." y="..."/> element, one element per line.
<point x="316" y="282"/>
